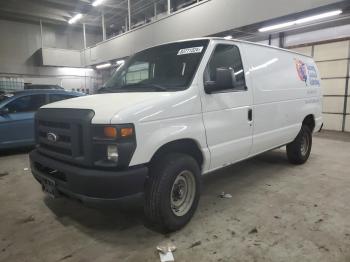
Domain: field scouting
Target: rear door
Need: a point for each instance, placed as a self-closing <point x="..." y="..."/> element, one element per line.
<point x="17" y="126"/>
<point x="227" y="114"/>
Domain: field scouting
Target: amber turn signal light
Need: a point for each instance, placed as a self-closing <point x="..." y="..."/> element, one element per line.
<point x="126" y="132"/>
<point x="110" y="132"/>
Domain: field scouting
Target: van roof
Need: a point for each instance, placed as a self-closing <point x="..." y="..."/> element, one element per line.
<point x="236" y="40"/>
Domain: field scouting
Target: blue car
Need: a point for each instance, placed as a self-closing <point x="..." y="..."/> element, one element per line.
<point x="17" y="114"/>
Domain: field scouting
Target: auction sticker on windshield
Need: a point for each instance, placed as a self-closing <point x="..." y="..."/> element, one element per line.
<point x="191" y="50"/>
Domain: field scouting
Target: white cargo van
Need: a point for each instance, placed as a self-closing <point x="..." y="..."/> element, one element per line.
<point x="172" y="113"/>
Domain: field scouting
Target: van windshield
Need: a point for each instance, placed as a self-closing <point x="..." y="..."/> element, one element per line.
<point x="169" y="67"/>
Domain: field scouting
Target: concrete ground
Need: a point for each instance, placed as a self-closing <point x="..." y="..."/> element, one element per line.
<point x="278" y="212"/>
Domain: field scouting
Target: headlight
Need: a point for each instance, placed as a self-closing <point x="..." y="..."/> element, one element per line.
<point x="110" y="132"/>
<point x="113" y="132"/>
<point x="112" y="153"/>
<point x="113" y="145"/>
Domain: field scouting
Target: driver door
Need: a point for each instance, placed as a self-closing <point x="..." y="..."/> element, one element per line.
<point x="227" y="114"/>
<point x="17" y="126"/>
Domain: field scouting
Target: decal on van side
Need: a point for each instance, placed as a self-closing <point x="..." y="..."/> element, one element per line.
<point x="313" y="77"/>
<point x="301" y="69"/>
<point x="307" y="72"/>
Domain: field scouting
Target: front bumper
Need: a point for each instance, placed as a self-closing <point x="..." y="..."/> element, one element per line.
<point x="88" y="185"/>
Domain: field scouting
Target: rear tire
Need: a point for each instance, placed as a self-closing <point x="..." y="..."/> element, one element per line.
<point x="172" y="192"/>
<point x="299" y="150"/>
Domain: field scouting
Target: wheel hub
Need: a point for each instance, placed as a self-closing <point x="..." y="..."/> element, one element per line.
<point x="304" y="145"/>
<point x="182" y="193"/>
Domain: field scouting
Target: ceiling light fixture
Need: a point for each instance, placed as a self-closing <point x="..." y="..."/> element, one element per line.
<point x="120" y="62"/>
<point x="97" y="2"/>
<point x="278" y="26"/>
<point x="301" y="21"/>
<point x="317" y="17"/>
<point x="75" y="18"/>
<point x="103" y="66"/>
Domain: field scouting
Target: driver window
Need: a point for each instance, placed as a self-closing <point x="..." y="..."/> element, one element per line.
<point x="26" y="104"/>
<point x="228" y="57"/>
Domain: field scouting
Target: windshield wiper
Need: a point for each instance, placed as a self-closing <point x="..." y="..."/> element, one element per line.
<point x="144" y="86"/>
<point x="132" y="88"/>
<point x="158" y="87"/>
<point x="105" y="90"/>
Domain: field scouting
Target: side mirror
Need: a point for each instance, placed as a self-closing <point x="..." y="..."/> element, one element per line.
<point x="224" y="81"/>
<point x="4" y="111"/>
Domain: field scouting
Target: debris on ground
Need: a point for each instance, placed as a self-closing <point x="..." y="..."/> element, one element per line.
<point x="167" y="257"/>
<point x="2" y="174"/>
<point x="253" y="231"/>
<point x="197" y="243"/>
<point x="277" y="217"/>
<point x="323" y="248"/>
<point x="319" y="221"/>
<point x="26" y="220"/>
<point x="164" y="248"/>
<point x="26" y="169"/>
<point x="225" y="195"/>
<point x="166" y="252"/>
<point x="66" y="257"/>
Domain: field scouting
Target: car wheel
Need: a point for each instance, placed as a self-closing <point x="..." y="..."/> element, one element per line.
<point x="299" y="150"/>
<point x="172" y="192"/>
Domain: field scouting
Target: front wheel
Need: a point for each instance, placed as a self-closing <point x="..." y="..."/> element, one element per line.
<point x="299" y="150"/>
<point x="172" y="191"/>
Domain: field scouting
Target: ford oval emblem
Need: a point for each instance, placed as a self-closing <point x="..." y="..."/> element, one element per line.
<point x="51" y="137"/>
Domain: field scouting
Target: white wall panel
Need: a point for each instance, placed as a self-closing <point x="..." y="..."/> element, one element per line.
<point x="332" y="122"/>
<point x="307" y="50"/>
<point x="331" y="33"/>
<point x="206" y="18"/>
<point x="43" y="80"/>
<point x="347" y="123"/>
<point x="73" y="83"/>
<point x="333" y="86"/>
<point x="336" y="50"/>
<point x="61" y="57"/>
<point x="333" y="68"/>
<point x="333" y="104"/>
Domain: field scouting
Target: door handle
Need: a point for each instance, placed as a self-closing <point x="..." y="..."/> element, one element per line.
<point x="250" y="114"/>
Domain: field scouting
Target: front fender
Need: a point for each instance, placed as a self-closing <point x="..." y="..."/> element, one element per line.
<point x="154" y="134"/>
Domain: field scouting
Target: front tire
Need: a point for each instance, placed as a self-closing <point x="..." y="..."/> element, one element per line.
<point x="172" y="192"/>
<point x="299" y="150"/>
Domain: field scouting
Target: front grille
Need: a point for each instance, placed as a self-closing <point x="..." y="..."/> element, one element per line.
<point x="51" y="172"/>
<point x="64" y="134"/>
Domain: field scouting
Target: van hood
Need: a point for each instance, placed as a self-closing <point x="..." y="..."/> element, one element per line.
<point x="130" y="107"/>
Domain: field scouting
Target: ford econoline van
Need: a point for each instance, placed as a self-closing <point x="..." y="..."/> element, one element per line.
<point x="171" y="113"/>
